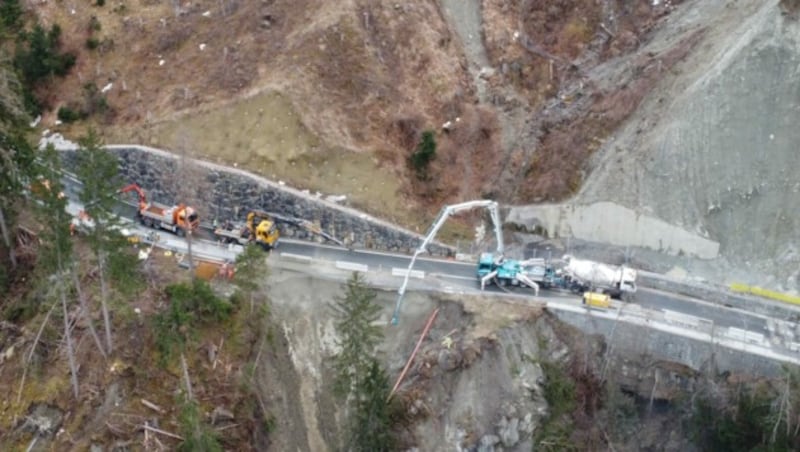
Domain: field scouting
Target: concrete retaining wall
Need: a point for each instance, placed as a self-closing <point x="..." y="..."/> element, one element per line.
<point x="228" y="194"/>
<point x="610" y="223"/>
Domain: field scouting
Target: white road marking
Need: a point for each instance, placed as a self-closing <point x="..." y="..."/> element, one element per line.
<point x="445" y="275"/>
<point x="412" y="274"/>
<point x="351" y="266"/>
<point x="296" y="257"/>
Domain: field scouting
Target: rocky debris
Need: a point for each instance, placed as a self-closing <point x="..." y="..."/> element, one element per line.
<point x="487" y="443"/>
<point x="43" y="420"/>
<point x="449" y="359"/>
<point x="221" y="415"/>
<point x="659" y="380"/>
<point x="508" y="431"/>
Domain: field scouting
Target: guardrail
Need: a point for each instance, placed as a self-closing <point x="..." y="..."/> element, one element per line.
<point x="766" y="293"/>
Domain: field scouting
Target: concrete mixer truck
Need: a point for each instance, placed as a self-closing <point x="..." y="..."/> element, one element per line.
<point x="589" y="276"/>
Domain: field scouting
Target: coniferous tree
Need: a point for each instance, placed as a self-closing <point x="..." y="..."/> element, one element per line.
<point x="56" y="254"/>
<point x="359" y="375"/>
<point x="370" y="421"/>
<point x="251" y="267"/>
<point x="355" y="313"/>
<point x="98" y="170"/>
<point x="16" y="155"/>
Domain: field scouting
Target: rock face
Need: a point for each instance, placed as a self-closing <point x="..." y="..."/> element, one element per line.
<point x="713" y="149"/>
<point x="229" y="194"/>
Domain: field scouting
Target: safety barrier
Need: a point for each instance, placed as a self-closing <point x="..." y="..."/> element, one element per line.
<point x="765" y="293"/>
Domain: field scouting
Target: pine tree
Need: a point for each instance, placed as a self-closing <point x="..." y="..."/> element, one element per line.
<point x="251" y="267"/>
<point x="16" y="155"/>
<point x="370" y="421"/>
<point x="98" y="170"/>
<point x="355" y="314"/>
<point x="55" y="257"/>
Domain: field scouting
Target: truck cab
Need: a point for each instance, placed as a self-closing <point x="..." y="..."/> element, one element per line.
<point x="267" y="234"/>
<point x="628" y="280"/>
<point x="485" y="264"/>
<point x="187" y="218"/>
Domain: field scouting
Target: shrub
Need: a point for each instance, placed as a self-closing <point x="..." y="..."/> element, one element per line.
<point x="100" y="3"/>
<point x="41" y="58"/>
<point x="197" y="435"/>
<point x="92" y="43"/>
<point x="68" y="114"/>
<point x="10" y="14"/>
<point x="36" y="58"/>
<point x="560" y="393"/>
<point x="94" y="24"/>
<point x="124" y="272"/>
<point x="190" y="305"/>
<point x="424" y="154"/>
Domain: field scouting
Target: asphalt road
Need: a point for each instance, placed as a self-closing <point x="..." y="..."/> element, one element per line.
<point x="457" y="275"/>
<point x="462" y="274"/>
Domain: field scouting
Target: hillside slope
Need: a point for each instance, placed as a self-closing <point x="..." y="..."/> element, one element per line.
<point x="613" y="101"/>
<point x="334" y="96"/>
<point x="713" y="148"/>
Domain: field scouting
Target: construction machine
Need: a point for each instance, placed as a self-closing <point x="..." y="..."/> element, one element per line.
<point x="617" y="281"/>
<point x="531" y="273"/>
<point x="495" y="264"/>
<point x="259" y="228"/>
<point x="575" y="275"/>
<point x="178" y="218"/>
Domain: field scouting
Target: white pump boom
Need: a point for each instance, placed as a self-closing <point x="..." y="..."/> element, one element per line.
<point x="444" y="214"/>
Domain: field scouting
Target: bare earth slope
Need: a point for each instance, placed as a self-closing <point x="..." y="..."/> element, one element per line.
<point x="682" y="111"/>
<point x="714" y="147"/>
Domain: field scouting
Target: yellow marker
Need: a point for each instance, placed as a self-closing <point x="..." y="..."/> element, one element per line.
<point x="447" y="342"/>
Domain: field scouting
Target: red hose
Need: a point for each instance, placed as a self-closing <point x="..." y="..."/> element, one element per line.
<point x="414" y="353"/>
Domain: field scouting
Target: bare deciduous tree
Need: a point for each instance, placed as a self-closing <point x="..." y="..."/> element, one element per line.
<point x="189" y="184"/>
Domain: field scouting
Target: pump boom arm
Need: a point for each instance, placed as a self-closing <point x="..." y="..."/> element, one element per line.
<point x="444" y="214"/>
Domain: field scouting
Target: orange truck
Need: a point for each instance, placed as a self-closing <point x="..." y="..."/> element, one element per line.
<point x="178" y="218"/>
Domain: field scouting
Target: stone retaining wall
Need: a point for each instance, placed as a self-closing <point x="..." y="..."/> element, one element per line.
<point x="228" y="194"/>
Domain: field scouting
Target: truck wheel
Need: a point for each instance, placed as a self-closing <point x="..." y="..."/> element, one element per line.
<point x="180" y="232"/>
